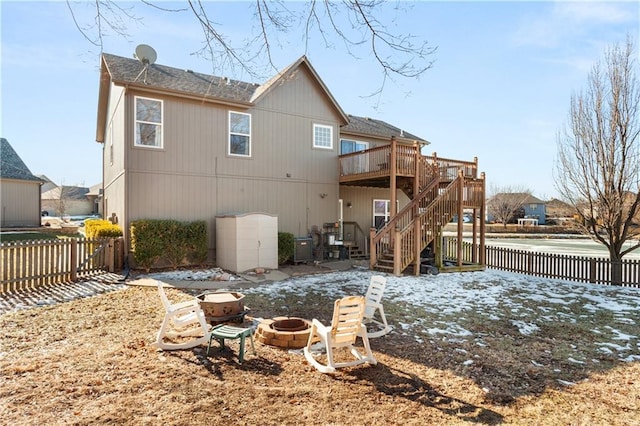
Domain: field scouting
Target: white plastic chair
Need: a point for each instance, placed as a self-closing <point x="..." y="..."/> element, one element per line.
<point x="372" y="304"/>
<point x="345" y="328"/>
<point x="183" y="319"/>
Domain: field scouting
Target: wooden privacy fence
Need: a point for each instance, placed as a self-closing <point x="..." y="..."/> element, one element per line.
<point x="595" y="270"/>
<point x="31" y="264"/>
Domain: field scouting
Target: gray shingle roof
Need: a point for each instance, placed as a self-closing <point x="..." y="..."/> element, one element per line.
<point x="68" y="192"/>
<point x="127" y="70"/>
<point x="371" y="126"/>
<point x="131" y="71"/>
<point x="11" y="165"/>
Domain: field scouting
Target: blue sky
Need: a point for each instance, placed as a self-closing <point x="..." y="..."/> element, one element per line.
<point x="499" y="90"/>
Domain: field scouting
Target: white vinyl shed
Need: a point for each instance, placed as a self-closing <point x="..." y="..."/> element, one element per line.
<point x="246" y="241"/>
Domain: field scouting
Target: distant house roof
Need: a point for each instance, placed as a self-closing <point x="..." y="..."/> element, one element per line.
<point x="11" y="165"/>
<point x="526" y="198"/>
<point x="69" y="192"/>
<point x="187" y="83"/>
<point x="371" y="126"/>
<point x="47" y="185"/>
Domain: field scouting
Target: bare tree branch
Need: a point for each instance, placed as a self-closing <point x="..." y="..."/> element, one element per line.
<point x="356" y="23"/>
<point x="598" y="165"/>
<point x="505" y="202"/>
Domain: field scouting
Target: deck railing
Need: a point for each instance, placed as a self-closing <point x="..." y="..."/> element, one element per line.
<point x="31" y="264"/>
<point x="375" y="162"/>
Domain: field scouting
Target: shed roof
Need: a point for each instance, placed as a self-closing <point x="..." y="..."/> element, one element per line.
<point x="11" y="165"/>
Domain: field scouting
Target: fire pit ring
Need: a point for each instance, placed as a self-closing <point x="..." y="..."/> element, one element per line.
<point x="290" y="324"/>
<point x="284" y="332"/>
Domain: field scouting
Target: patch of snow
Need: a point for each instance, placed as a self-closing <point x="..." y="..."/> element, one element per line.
<point x="525" y="328"/>
<point x="620" y="335"/>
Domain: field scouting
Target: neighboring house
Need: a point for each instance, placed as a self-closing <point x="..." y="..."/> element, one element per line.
<point x="47" y="184"/>
<point x="558" y="209"/>
<point x="535" y="208"/>
<point x="95" y="198"/>
<point x="189" y="146"/>
<point x="68" y="201"/>
<point x="530" y="206"/>
<point x="19" y="192"/>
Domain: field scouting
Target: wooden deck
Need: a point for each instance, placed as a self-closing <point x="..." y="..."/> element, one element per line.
<point x="439" y="188"/>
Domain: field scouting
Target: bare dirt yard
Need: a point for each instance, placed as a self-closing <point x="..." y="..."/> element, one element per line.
<point x="485" y="347"/>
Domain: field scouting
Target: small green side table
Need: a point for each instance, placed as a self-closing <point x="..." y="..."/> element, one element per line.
<point x="223" y="331"/>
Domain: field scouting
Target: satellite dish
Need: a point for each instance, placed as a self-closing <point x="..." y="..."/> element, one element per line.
<point x="145" y="54"/>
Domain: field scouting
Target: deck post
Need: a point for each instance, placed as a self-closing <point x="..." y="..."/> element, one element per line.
<point x="393" y="172"/>
<point x="418" y="169"/>
<point x="372" y="248"/>
<point x="397" y="254"/>
<point x="417" y="243"/>
<point x="481" y="257"/>
<point x="460" y="214"/>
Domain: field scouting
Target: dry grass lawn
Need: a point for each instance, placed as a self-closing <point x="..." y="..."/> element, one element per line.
<point x="91" y="361"/>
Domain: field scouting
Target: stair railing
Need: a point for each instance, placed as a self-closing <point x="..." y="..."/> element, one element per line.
<point x="381" y="241"/>
<point x="427" y="226"/>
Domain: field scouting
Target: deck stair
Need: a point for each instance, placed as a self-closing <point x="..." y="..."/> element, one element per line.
<point x="399" y="243"/>
<point x="439" y="189"/>
<point x="355" y="252"/>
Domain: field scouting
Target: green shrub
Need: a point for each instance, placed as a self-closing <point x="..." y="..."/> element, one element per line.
<point x="285" y="247"/>
<point x="153" y="240"/>
<point x="100" y="228"/>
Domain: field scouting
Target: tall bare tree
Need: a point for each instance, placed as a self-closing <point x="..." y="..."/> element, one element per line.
<point x="598" y="166"/>
<point x="361" y="26"/>
<point x="505" y="202"/>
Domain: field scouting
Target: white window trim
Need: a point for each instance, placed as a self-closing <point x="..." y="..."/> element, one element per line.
<point x="231" y="154"/>
<point x="318" y="126"/>
<point x="387" y="213"/>
<point x="136" y="121"/>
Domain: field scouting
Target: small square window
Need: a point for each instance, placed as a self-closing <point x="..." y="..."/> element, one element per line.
<point x="322" y="136"/>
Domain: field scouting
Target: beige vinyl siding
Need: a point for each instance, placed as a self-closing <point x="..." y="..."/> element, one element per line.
<point x="19" y="203"/>
<point x="114" y="132"/>
<point x="193" y="178"/>
<point x="361" y="199"/>
<point x="114" y="187"/>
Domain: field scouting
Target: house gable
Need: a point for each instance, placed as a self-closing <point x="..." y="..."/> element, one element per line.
<point x="12" y="166"/>
<point x="20" y="194"/>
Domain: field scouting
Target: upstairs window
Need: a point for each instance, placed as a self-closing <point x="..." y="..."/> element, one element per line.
<point x="239" y="134"/>
<point x="148" y="122"/>
<point x="322" y="136"/>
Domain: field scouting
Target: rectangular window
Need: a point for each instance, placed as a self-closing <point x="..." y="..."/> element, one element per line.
<point x="322" y="136"/>
<point x="148" y="122"/>
<point x="348" y="146"/>
<point x="355" y="163"/>
<point x="381" y="213"/>
<point x="239" y="134"/>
